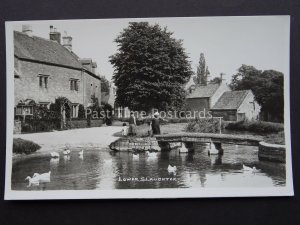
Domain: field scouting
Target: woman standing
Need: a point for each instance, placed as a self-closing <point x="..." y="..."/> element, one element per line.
<point x="155" y="124"/>
<point x="132" y="125"/>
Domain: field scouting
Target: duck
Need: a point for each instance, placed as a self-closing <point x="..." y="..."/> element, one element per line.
<point x="107" y="161"/>
<point x="42" y="177"/>
<point x="151" y="154"/>
<point x="54" y="154"/>
<point x="80" y="153"/>
<point x="135" y="156"/>
<point x="33" y="181"/>
<point x="67" y="152"/>
<point x="183" y="149"/>
<point x="247" y="168"/>
<point x="172" y="169"/>
<point x="213" y="150"/>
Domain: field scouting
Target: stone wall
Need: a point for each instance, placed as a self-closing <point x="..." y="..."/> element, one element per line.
<point x="27" y="86"/>
<point x="271" y="152"/>
<point x="135" y="144"/>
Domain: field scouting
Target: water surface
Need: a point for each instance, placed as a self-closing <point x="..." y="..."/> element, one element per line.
<point x="103" y="169"/>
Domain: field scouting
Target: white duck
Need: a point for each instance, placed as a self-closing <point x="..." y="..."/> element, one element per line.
<point x="151" y="154"/>
<point x="67" y="152"/>
<point x="212" y="150"/>
<point x="172" y="169"/>
<point x="54" y="155"/>
<point x="135" y="156"/>
<point x="183" y="149"/>
<point x="35" y="181"/>
<point x="44" y="177"/>
<point x="108" y="161"/>
<point x="247" y="168"/>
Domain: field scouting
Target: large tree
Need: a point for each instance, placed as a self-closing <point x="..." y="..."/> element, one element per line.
<point x="267" y="87"/>
<point x="151" y="68"/>
<point x="202" y="71"/>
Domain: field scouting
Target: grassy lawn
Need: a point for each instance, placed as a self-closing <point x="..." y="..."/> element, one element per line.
<point x="275" y="138"/>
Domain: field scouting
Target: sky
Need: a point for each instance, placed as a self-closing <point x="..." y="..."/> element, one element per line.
<point x="227" y="42"/>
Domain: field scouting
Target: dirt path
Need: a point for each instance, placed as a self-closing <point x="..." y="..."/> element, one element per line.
<point x="87" y="137"/>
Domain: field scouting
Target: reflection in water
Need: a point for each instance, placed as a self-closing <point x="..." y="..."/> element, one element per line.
<point x="103" y="169"/>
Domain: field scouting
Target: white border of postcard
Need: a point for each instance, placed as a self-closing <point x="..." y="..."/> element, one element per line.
<point x="138" y="193"/>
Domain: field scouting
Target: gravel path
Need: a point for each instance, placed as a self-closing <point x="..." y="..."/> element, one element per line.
<point x="87" y="137"/>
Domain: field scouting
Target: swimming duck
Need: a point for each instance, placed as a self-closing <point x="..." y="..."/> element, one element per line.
<point x="135" y="156"/>
<point x="247" y="168"/>
<point x="80" y="153"/>
<point x="67" y="152"/>
<point x="172" y="169"/>
<point x="35" y="181"/>
<point x="151" y="154"/>
<point x="54" y="155"/>
<point x="42" y="177"/>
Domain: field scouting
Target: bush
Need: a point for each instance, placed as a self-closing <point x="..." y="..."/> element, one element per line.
<point x="204" y="125"/>
<point x="256" y="126"/>
<point x="21" y="146"/>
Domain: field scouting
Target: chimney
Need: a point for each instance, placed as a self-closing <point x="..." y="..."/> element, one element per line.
<point x="27" y="29"/>
<point x="67" y="42"/>
<point x="54" y="35"/>
<point x="221" y="77"/>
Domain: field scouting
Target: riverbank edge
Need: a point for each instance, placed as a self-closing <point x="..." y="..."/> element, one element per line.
<point x="271" y="152"/>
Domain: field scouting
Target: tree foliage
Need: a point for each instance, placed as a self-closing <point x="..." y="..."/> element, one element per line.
<point x="104" y="84"/>
<point x="202" y="71"/>
<point x="267" y="87"/>
<point x="151" y="68"/>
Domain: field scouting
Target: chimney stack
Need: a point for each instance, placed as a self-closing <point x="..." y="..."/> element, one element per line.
<point x="67" y="42"/>
<point x="54" y="35"/>
<point x="27" y="29"/>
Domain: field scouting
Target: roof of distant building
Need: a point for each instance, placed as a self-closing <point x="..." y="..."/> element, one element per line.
<point x="204" y="91"/>
<point x="231" y="100"/>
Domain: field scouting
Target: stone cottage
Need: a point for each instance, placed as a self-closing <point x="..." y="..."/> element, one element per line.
<point x="236" y="106"/>
<point x="202" y="97"/>
<point x="45" y="69"/>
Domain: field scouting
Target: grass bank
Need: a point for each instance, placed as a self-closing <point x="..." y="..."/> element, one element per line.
<point x="21" y="146"/>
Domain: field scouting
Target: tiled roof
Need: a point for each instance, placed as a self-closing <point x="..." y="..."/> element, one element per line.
<point x="202" y="91"/>
<point x="230" y="100"/>
<point x="40" y="49"/>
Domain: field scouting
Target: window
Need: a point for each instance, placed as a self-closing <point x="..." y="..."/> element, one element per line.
<point x="74" y="84"/>
<point x="24" y="110"/>
<point x="75" y="109"/>
<point x="43" y="81"/>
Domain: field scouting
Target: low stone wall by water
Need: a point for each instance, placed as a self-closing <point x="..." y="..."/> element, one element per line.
<point x="135" y="144"/>
<point x="271" y="152"/>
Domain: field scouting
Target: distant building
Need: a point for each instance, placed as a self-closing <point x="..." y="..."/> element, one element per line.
<point x="45" y="69"/>
<point x="203" y="97"/>
<point x="236" y="106"/>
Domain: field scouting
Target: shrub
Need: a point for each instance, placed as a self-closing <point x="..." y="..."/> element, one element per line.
<point x="81" y="112"/>
<point x="256" y="126"/>
<point x="21" y="146"/>
<point x="204" y="125"/>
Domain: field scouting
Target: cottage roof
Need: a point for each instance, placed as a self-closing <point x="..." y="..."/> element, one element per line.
<point x="41" y="49"/>
<point x="204" y="91"/>
<point x="230" y="100"/>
